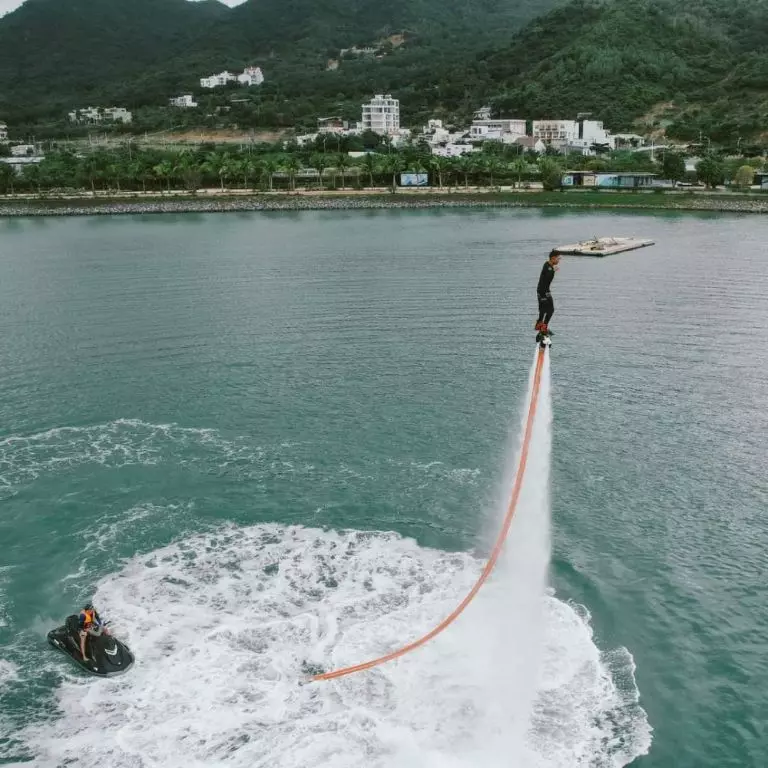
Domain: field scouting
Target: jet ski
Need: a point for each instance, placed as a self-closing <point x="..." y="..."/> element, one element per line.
<point x="107" y="656"/>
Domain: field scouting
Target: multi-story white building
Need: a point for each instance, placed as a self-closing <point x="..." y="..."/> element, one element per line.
<point x="251" y="76"/>
<point x="555" y="133"/>
<point x="216" y="81"/>
<point x="574" y="134"/>
<point x="3" y="133"/>
<point x="100" y="115"/>
<point x="487" y="129"/>
<point x="382" y="115"/>
<point x="186" y="101"/>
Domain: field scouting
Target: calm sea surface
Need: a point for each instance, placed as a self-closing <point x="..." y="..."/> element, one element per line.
<point x="240" y="432"/>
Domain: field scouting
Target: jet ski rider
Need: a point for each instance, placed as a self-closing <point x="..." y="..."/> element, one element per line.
<point x="89" y="622"/>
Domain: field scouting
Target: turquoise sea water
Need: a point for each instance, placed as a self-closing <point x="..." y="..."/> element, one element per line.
<point x="268" y="439"/>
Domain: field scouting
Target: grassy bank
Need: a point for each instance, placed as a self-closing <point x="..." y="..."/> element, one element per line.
<point x="215" y="200"/>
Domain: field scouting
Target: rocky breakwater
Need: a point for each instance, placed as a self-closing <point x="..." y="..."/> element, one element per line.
<point x="315" y="202"/>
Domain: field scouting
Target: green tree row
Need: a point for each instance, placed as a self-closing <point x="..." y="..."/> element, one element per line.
<point x="266" y="168"/>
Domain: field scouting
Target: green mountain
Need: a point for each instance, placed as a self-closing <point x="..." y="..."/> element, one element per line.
<point x="56" y="54"/>
<point x="690" y="65"/>
<point x="687" y="67"/>
<point x="52" y="51"/>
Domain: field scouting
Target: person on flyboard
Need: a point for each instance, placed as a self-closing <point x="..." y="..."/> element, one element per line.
<point x="546" y="304"/>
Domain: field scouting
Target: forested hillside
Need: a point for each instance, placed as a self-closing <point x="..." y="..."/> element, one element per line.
<point x="687" y="67"/>
<point x="55" y="54"/>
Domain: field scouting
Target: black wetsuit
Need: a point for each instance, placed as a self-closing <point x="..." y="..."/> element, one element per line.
<point x="546" y="304"/>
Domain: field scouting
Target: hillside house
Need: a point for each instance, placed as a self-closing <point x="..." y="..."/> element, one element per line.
<point x="531" y="144"/>
<point x="332" y="125"/>
<point x="90" y="115"/>
<point x="185" y="101"/>
<point x="3" y="133"/>
<point x="217" y="81"/>
<point x="454" y="150"/>
<point x="251" y="76"/>
<point x="23" y="150"/>
<point x="576" y="135"/>
<point x="489" y="129"/>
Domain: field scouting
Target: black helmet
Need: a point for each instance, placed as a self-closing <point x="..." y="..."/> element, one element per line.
<point x="88" y="607"/>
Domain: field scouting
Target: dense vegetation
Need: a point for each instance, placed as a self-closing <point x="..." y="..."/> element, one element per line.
<point x="270" y="167"/>
<point x="690" y="68"/>
<point x="140" y="52"/>
<point x="699" y="63"/>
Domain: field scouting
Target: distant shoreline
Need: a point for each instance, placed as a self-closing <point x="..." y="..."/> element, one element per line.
<point x="217" y="202"/>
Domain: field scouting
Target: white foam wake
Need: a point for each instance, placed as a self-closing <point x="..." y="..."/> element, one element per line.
<point x="223" y="625"/>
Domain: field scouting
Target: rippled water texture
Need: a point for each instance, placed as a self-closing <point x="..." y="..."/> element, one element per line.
<point x="273" y="441"/>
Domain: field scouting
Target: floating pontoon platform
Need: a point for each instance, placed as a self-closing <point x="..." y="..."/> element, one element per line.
<point x="604" y="246"/>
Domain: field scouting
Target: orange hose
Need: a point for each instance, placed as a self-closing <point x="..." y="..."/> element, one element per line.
<point x="497" y="547"/>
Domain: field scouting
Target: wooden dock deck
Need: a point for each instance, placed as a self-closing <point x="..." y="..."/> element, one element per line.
<point x="604" y="246"/>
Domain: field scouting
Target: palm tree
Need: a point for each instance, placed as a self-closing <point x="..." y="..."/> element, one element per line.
<point x="217" y="165"/>
<point x="342" y="163"/>
<point x="249" y="168"/>
<point x="269" y="169"/>
<point x="394" y="164"/>
<point x="494" y="166"/>
<point x="32" y="175"/>
<point x="187" y="165"/>
<point x="164" y="170"/>
<point x="227" y="170"/>
<point x="292" y="166"/>
<point x="465" y="165"/>
<point x="115" y="171"/>
<point x="320" y="163"/>
<point x="519" y="167"/>
<point x="370" y="164"/>
<point x="437" y="165"/>
<point x="135" y="168"/>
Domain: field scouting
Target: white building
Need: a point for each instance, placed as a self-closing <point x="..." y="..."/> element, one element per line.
<point x="304" y="139"/>
<point x="3" y="133"/>
<point x="400" y="137"/>
<point x="555" y="133"/>
<point x="531" y="144"/>
<point x="215" y="81"/>
<point x="435" y="134"/>
<point x="629" y="140"/>
<point x="484" y="113"/>
<point x="382" y="115"/>
<point x="23" y="150"/>
<point x="118" y="114"/>
<point x="483" y="129"/>
<point x="186" y="101"/>
<point x="332" y="125"/>
<point x="99" y="115"/>
<point x="574" y="134"/>
<point x="454" y="150"/>
<point x="251" y="76"/>
<point x="18" y="164"/>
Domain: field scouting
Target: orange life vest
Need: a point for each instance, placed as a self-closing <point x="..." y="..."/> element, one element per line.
<point x="89" y="618"/>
